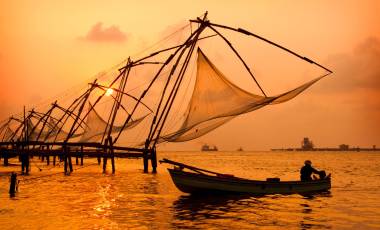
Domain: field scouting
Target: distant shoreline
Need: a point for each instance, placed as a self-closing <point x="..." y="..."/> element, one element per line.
<point x="327" y="149"/>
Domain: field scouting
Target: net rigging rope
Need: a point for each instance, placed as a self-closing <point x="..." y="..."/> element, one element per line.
<point x="177" y="117"/>
<point x="211" y="107"/>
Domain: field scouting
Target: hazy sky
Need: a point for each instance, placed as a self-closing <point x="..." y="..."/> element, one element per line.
<point x="47" y="47"/>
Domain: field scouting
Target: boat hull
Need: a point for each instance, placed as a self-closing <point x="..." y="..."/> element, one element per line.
<point x="189" y="182"/>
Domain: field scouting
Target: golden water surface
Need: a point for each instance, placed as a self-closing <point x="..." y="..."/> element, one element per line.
<point x="130" y="199"/>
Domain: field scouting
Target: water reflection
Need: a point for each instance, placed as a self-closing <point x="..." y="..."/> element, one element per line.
<point x="103" y="208"/>
<point x="311" y="196"/>
<point x="218" y="209"/>
<point x="128" y="201"/>
<point x="133" y="200"/>
<point x="244" y="211"/>
<point x="193" y="207"/>
<point x="313" y="209"/>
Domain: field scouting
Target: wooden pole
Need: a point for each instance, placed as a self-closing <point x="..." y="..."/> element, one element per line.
<point x="139" y="61"/>
<point x="164" y="92"/>
<point x="146" y="160"/>
<point x="41" y="156"/>
<point x="199" y="170"/>
<point x="66" y="115"/>
<point x="168" y="60"/>
<point x="112" y="154"/>
<point x="177" y="84"/>
<point x="23" y="162"/>
<point x="25" y="126"/>
<point x="81" y="158"/>
<point x="26" y="145"/>
<point x="104" y="164"/>
<point x="5" y="159"/>
<point x="70" y="164"/>
<point x="174" y="91"/>
<point x="154" y="160"/>
<point x="13" y="184"/>
<point x="145" y="156"/>
<point x="46" y="117"/>
<point x="113" y="163"/>
<point x="116" y="102"/>
<point x="19" y="128"/>
<point x="69" y="159"/>
<point x="75" y="126"/>
<point x="65" y="164"/>
<point x="27" y="163"/>
<point x="65" y="159"/>
<point x="22" y="157"/>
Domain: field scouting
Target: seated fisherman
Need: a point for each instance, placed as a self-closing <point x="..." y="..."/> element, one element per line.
<point x="307" y="170"/>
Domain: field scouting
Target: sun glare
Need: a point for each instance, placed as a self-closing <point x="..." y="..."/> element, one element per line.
<point x="109" y="92"/>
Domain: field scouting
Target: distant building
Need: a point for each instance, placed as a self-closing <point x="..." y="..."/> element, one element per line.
<point x="344" y="147"/>
<point x="307" y="144"/>
<point x="206" y="147"/>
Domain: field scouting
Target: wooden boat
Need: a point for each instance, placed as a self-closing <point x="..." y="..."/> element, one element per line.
<point x="205" y="181"/>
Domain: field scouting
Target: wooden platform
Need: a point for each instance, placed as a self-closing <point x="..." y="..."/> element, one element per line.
<point x="65" y="151"/>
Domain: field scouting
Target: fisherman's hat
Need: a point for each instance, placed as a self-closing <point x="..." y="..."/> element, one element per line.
<point x="307" y="162"/>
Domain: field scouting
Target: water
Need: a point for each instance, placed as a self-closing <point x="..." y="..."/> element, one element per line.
<point x="130" y="199"/>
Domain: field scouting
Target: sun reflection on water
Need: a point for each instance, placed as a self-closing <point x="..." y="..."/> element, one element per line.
<point x="131" y="199"/>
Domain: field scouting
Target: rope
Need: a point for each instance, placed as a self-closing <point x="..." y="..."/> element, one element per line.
<point x="176" y="118"/>
<point x="162" y="40"/>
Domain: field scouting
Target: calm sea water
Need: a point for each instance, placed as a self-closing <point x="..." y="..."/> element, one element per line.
<point x="130" y="199"/>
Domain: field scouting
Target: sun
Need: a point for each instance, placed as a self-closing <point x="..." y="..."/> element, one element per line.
<point x="109" y="92"/>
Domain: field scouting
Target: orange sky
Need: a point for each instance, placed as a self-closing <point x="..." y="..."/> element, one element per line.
<point x="47" y="47"/>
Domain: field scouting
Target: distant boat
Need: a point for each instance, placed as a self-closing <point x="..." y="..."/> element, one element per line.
<point x="206" y="147"/>
<point x="240" y="149"/>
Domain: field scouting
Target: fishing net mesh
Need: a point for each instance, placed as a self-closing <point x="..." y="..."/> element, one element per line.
<point x="96" y="126"/>
<point x="216" y="100"/>
<point x="8" y="134"/>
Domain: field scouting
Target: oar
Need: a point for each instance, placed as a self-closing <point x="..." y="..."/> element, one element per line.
<point x="199" y="170"/>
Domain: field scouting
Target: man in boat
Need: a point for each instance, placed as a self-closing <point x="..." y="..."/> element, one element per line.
<point x="307" y="170"/>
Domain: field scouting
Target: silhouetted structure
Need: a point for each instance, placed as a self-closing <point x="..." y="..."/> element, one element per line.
<point x="307" y="144"/>
<point x="206" y="148"/>
<point x="344" y="147"/>
<point x="75" y="129"/>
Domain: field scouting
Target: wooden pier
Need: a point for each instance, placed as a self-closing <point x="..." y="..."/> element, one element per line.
<point x="64" y="152"/>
